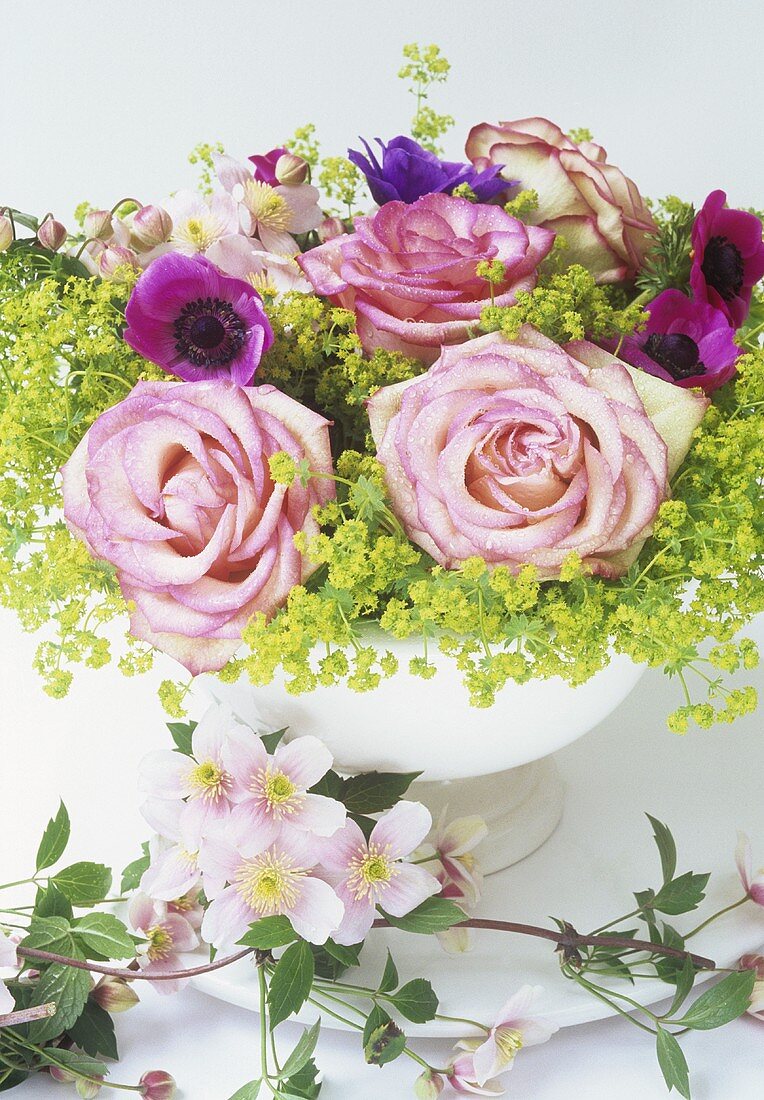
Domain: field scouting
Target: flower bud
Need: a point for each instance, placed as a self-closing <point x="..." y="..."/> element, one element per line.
<point x="291" y="169"/>
<point x="88" y="1089"/>
<point x="157" y="1084"/>
<point x="115" y="257"/>
<point x="114" y="994"/>
<point x="151" y="226"/>
<point x="329" y="229"/>
<point x="429" y="1086"/>
<point x="753" y="962"/>
<point x="62" y="1075"/>
<point x="6" y="232"/>
<point x="98" y="224"/>
<point x="51" y="234"/>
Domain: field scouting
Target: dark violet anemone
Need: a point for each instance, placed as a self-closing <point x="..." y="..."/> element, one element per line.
<point x="686" y="341"/>
<point x="195" y="322"/>
<point x="408" y="171"/>
<point x="728" y="257"/>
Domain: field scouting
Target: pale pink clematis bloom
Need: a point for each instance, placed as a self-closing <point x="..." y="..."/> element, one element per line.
<point x="756" y="1006"/>
<point x="269" y="273"/>
<point x="265" y="882"/>
<point x="366" y="874"/>
<point x="270" y="213"/>
<point x="454" y="843"/>
<point x="752" y="884"/>
<point x="513" y="1030"/>
<point x="167" y="935"/>
<point x="462" y="1079"/>
<point x="202" y="778"/>
<point x="174" y="852"/>
<point x="270" y="792"/>
<point x="197" y="223"/>
<point x="9" y="964"/>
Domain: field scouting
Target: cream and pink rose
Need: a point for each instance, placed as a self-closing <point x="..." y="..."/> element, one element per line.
<point x="523" y="452"/>
<point x="409" y="272"/>
<point x="591" y="203"/>
<point x="173" y="487"/>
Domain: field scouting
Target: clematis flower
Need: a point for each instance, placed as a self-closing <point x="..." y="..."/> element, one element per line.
<point x="174" y="852"/>
<point x="407" y="171"/>
<point x="727" y="257"/>
<point x="686" y="341"/>
<point x="197" y="223"/>
<point x="196" y="323"/>
<point x="269" y="274"/>
<point x="454" y="843"/>
<point x="752" y="884"/>
<point x="366" y="874"/>
<point x="9" y="965"/>
<point x="756" y="1004"/>
<point x="189" y="906"/>
<point x="462" y="1078"/>
<point x="167" y="935"/>
<point x="271" y="212"/>
<point x="513" y="1030"/>
<point x="264" y="881"/>
<point x="270" y="792"/>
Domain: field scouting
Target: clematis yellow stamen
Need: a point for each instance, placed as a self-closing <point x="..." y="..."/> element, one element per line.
<point x="280" y="792"/>
<point x="262" y="284"/>
<point x="269" y="883"/>
<point x="208" y="780"/>
<point x="267" y="206"/>
<point x="200" y="233"/>
<point x="370" y="872"/>
<point x="159" y="942"/>
<point x="509" y="1042"/>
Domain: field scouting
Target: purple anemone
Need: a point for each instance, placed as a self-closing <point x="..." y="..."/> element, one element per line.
<point x="686" y="341"/>
<point x="408" y="171"/>
<point x="195" y="322"/>
<point x="728" y="257"/>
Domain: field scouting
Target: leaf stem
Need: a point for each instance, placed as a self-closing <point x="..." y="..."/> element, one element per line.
<point x="714" y="916"/>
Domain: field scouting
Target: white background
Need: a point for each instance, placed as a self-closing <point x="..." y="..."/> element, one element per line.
<point x="102" y="100"/>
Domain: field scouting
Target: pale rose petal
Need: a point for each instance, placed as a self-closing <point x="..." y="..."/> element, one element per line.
<point x="407" y="889"/>
<point x="402" y="829"/>
<point x="305" y="760"/>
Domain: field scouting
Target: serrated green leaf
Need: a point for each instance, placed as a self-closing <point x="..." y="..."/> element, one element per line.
<point x="250" y="1091"/>
<point x="389" y="976"/>
<point x="291" y="982"/>
<point x="269" y="932"/>
<point x="302" y="1052"/>
<point x="68" y="988"/>
<point x="83" y="883"/>
<point x="54" y="839"/>
<point x="50" y="902"/>
<point x="673" y="1063"/>
<point x="330" y="785"/>
<point x="384" y="1044"/>
<point x="93" y="1032"/>
<point x="666" y="847"/>
<point x="106" y="934"/>
<point x="347" y="955"/>
<point x="133" y="873"/>
<point x="721" y="1004"/>
<point x="72" y="1059"/>
<point x="433" y="915"/>
<point x="271" y="741"/>
<point x="681" y="895"/>
<point x="373" y="792"/>
<point x="685" y="980"/>
<point x="416" y="1000"/>
<point x="303" y="1084"/>
<point x="182" y="734"/>
<point x="49" y="934"/>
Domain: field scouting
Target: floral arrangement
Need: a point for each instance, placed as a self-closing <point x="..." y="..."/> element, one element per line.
<point x="262" y="851"/>
<point x="515" y="410"/>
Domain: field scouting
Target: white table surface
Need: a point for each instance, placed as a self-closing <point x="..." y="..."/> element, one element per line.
<point x="86" y="750"/>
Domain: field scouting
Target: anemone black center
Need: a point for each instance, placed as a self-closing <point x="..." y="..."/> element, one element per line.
<point x="676" y="353"/>
<point x="209" y="332"/>
<point x="723" y="267"/>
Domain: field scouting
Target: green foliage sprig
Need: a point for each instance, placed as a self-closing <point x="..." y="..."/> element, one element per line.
<point x="425" y="66"/>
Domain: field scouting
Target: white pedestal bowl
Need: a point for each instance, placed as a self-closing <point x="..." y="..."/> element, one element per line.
<point x="495" y="762"/>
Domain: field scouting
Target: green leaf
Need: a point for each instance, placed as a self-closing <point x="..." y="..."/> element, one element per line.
<point x="303" y="1084"/>
<point x="685" y="980"/>
<point x="682" y="894"/>
<point x="330" y="785"/>
<point x="269" y="932"/>
<point x="106" y="934"/>
<point x="271" y="741"/>
<point x="373" y="792"/>
<point x="72" y="1059"/>
<point x="722" y="1003"/>
<point x="666" y="847"/>
<point x="54" y="839"/>
<point x="49" y="934"/>
<point x="94" y="1032"/>
<point x="182" y="732"/>
<point x="433" y="915"/>
<point x="250" y="1091"/>
<point x="69" y="989"/>
<point x="389" y="977"/>
<point x="50" y="902"/>
<point x="383" y="1040"/>
<point x="133" y="873"/>
<point x="302" y="1052"/>
<point x="365" y="824"/>
<point x="416" y="1000"/>
<point x="291" y="982"/>
<point x="347" y="955"/>
<point x="83" y="883"/>
<point x="673" y="1063"/>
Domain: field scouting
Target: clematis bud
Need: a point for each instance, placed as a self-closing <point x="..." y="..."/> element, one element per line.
<point x="115" y="257"/>
<point x="98" y="224"/>
<point x="329" y="229"/>
<point x="152" y="225"/>
<point x="6" y="232"/>
<point x="88" y="1089"/>
<point x="157" y="1084"/>
<point x="51" y="234"/>
<point x="429" y="1086"/>
<point x="114" y="994"/>
<point x="62" y="1075"/>
<point x="291" y="169"/>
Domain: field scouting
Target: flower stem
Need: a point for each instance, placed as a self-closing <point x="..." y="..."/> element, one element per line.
<point x="132" y="975"/>
<point x="715" y="916"/>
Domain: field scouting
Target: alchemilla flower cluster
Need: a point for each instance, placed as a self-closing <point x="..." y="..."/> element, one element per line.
<point x="504" y="404"/>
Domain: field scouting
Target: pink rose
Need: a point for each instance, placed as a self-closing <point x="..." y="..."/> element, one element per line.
<point x="173" y="487"/>
<point x="591" y="203"/>
<point x="409" y="272"/>
<point x="524" y="452"/>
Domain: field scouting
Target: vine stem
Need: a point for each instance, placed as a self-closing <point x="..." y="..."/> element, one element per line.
<point x="27" y="1015"/>
<point x="132" y="975"/>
